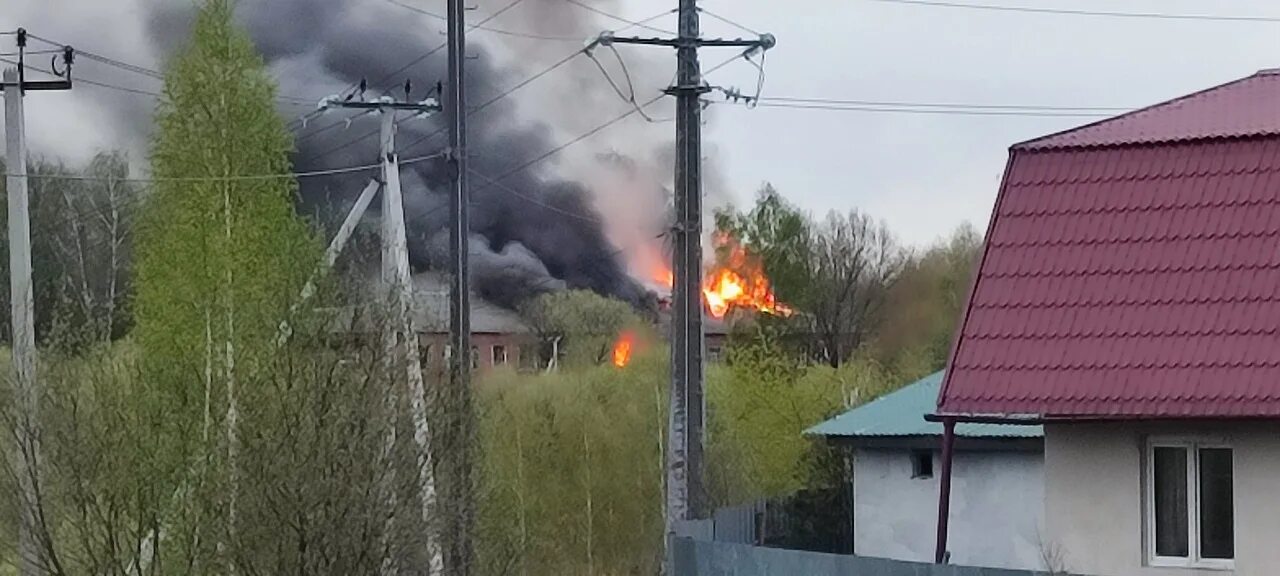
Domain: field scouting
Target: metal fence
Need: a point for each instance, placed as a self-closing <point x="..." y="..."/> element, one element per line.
<point x="815" y="520"/>
<point x="692" y="557"/>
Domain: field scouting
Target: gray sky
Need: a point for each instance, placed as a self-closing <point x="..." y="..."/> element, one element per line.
<point x="924" y="174"/>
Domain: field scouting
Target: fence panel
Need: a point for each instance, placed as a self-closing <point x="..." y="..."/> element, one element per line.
<point x="698" y="558"/>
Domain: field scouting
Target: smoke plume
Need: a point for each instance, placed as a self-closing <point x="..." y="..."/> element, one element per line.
<point x="533" y="231"/>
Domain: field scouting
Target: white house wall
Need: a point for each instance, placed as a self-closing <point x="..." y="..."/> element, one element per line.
<point x="1094" y="496"/>
<point x="996" y="503"/>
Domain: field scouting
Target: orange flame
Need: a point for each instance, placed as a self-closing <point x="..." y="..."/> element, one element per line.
<point x="736" y="281"/>
<point x="622" y="350"/>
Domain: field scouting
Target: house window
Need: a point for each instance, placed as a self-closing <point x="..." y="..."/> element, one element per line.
<point x="922" y="464"/>
<point x="714" y="353"/>
<point x="1190" y="506"/>
<point x="499" y="355"/>
<point x="475" y="357"/>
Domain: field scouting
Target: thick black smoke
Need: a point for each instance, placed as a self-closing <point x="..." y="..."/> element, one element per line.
<point x="535" y="233"/>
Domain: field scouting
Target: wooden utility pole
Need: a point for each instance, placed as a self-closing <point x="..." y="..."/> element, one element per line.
<point x="685" y="486"/>
<point x="459" y="414"/>
<point x="22" y="300"/>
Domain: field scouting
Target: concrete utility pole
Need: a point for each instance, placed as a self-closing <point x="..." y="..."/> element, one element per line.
<point x="22" y="299"/>
<point x="686" y="490"/>
<point x="401" y="339"/>
<point x="24" y="336"/>
<point x="459" y="415"/>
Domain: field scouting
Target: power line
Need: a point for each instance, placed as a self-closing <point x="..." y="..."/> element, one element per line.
<point x="138" y="91"/>
<point x="144" y="71"/>
<point x="481" y="26"/>
<point x="631" y="23"/>
<point x="948" y="105"/>
<point x="470" y="113"/>
<point x="235" y="178"/>
<point x="496" y="181"/>
<point x="1074" y="12"/>
<point x="579" y="138"/>
<point x="728" y="21"/>
<point x="933" y="111"/>
<point x="531" y="199"/>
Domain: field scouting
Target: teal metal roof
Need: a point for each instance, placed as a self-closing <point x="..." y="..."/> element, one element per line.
<point x="901" y="413"/>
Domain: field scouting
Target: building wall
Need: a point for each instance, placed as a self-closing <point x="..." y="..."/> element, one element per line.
<point x="996" y="504"/>
<point x="1094" y="514"/>
<point x="517" y="346"/>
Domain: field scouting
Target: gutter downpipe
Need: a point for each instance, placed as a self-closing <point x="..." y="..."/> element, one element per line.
<point x="944" y="488"/>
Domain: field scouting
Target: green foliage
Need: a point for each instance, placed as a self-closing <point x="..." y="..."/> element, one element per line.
<point x="780" y="234"/>
<point x="925" y="305"/>
<point x="762" y="400"/>
<point x="572" y="474"/>
<point x="221" y="257"/>
<point x="835" y="272"/>
<point x="80" y="250"/>
<point x="584" y="323"/>
<point x="218" y="248"/>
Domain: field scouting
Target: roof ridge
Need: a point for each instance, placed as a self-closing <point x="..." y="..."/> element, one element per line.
<point x="1032" y="144"/>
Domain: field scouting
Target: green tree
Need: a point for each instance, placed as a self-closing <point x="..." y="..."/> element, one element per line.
<point x="922" y="309"/>
<point x="780" y="234"/>
<point x="579" y="326"/>
<point x="836" y="272"/>
<point x="81" y="219"/>
<point x="221" y="255"/>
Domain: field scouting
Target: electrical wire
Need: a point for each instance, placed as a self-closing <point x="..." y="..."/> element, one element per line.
<point x="729" y="22"/>
<point x="235" y="178"/>
<point x="532" y="200"/>
<point x="1075" y="12"/>
<point x="629" y="96"/>
<point x="144" y="71"/>
<point x="552" y="152"/>
<point x="118" y="64"/>
<point x="933" y="111"/>
<point x="631" y="23"/>
<point x="470" y="113"/>
<point x="481" y="26"/>
<point x="475" y="110"/>
<point x="496" y="181"/>
<point x="80" y="80"/>
<point x="958" y="105"/>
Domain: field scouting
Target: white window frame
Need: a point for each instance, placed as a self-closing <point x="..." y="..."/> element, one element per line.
<point x="493" y="353"/>
<point x="1193" y="559"/>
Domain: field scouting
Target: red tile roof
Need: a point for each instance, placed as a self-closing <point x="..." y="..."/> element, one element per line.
<point x="1132" y="268"/>
<point x="1246" y="107"/>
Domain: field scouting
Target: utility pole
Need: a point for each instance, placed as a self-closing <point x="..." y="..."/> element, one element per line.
<point x="401" y="340"/>
<point x="685" y="485"/>
<point x="22" y="299"/>
<point x="459" y="414"/>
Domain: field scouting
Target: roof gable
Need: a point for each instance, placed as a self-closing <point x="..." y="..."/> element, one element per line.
<point x="1242" y="108"/>
<point x="1131" y="281"/>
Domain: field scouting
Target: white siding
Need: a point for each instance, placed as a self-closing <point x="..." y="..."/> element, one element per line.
<point x="996" y="502"/>
<point x="1094" y="495"/>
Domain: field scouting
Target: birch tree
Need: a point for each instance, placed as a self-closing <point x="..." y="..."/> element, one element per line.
<point x="221" y="254"/>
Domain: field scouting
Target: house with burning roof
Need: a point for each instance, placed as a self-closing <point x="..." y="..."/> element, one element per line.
<point x="1128" y="300"/>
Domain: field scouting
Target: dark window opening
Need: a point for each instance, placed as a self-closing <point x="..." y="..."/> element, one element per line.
<point x="499" y="355"/>
<point x="1170" y="499"/>
<point x="1191" y="504"/>
<point x="922" y="464"/>
<point x="1217" y="538"/>
<point x="714" y="353"/>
